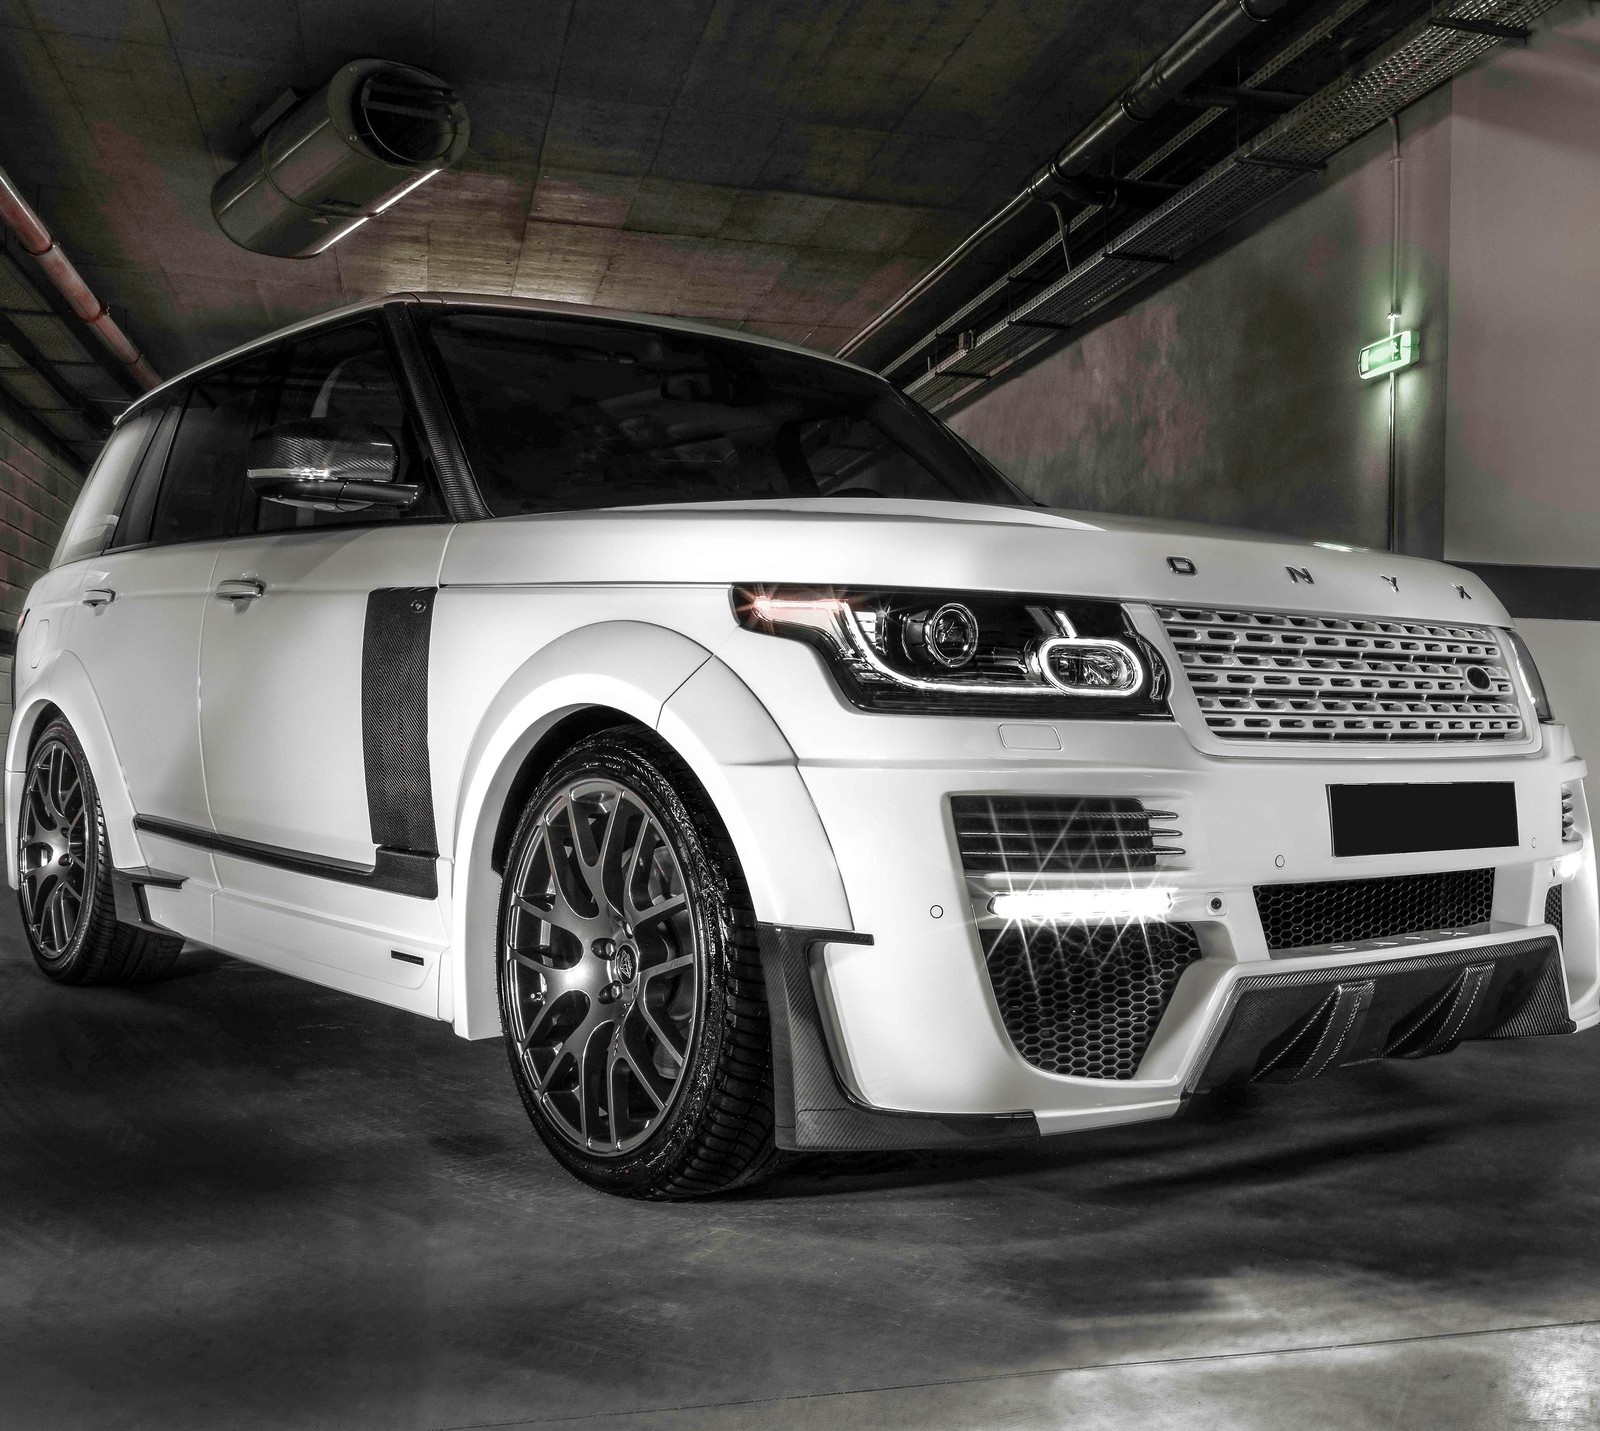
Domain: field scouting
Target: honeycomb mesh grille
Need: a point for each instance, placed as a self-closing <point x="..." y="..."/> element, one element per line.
<point x="1552" y="907"/>
<point x="1084" y="1000"/>
<point x="1342" y="911"/>
<point x="1032" y="834"/>
<point x="1277" y="676"/>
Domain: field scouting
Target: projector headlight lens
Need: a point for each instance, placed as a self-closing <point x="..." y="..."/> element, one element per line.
<point x="972" y="653"/>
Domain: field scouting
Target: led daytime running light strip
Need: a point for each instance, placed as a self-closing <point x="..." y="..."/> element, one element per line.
<point x="1081" y="906"/>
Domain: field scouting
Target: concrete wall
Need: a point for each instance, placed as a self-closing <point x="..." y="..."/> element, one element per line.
<point x="37" y="488"/>
<point x="1522" y="444"/>
<point x="1232" y="395"/>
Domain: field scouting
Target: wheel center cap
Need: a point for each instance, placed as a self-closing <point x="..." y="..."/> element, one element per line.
<point x="626" y="964"/>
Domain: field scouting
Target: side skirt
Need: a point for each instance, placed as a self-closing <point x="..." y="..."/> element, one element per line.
<point x="406" y="872"/>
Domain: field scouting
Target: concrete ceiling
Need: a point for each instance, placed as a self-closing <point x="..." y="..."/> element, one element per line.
<point x="785" y="166"/>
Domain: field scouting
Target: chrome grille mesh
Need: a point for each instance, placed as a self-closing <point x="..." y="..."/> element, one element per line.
<point x="1281" y="676"/>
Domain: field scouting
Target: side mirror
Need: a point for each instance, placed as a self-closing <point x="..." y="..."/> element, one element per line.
<point x="328" y="464"/>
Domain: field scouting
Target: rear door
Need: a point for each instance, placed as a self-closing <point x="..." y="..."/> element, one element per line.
<point x="314" y="704"/>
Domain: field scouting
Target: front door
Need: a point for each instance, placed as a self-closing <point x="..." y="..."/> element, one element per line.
<point x="136" y="628"/>
<point x="314" y="705"/>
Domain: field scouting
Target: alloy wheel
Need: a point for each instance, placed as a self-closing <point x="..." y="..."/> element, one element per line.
<point x="602" y="966"/>
<point x="53" y="843"/>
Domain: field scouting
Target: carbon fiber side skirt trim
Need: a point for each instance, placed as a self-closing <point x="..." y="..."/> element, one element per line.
<point x="393" y="871"/>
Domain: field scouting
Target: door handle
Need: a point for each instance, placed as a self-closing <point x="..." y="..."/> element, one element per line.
<point x="98" y="596"/>
<point x="241" y="588"/>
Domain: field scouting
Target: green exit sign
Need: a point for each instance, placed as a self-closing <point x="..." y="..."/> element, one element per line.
<point x="1399" y="350"/>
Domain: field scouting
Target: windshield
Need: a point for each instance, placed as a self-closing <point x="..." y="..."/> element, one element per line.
<point x="572" y="414"/>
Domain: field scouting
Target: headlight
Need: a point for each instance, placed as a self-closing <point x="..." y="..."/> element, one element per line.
<point x="1530" y="676"/>
<point x="968" y="653"/>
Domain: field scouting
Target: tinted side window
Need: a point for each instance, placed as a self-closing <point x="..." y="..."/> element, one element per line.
<point x="346" y="373"/>
<point x="204" y="477"/>
<point x="94" y="516"/>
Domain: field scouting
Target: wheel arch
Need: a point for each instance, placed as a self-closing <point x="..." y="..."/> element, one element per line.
<point x="607" y="675"/>
<point x="63" y="688"/>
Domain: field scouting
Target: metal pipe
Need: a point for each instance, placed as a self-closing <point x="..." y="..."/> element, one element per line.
<point x="40" y="245"/>
<point x="1394" y="317"/>
<point x="1220" y="30"/>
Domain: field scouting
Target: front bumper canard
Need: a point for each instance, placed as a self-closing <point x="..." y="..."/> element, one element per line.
<point x="1299" y="1024"/>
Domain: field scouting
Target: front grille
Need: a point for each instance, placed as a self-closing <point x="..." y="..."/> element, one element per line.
<point x="1032" y="834"/>
<point x="1343" y="911"/>
<point x="1552" y="907"/>
<point x="1271" y="676"/>
<point x="1569" y="816"/>
<point x="1085" y="999"/>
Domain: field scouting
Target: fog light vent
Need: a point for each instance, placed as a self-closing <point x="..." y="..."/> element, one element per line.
<point x="1039" y="834"/>
<point x="1084" y="1000"/>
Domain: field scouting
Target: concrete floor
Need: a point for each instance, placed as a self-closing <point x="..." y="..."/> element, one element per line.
<point x="233" y="1200"/>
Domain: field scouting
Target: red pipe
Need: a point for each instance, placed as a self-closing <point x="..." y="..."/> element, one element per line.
<point x="38" y="244"/>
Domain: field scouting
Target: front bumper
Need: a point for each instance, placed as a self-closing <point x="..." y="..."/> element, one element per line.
<point x="912" y="1020"/>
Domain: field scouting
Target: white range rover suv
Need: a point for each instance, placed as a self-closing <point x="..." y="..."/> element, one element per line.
<point x="704" y="718"/>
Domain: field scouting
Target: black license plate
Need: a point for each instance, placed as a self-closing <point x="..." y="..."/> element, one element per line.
<point x="1408" y="819"/>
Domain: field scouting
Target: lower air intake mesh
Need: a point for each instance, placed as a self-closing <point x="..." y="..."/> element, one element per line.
<point x="1552" y="907"/>
<point x="1085" y="999"/>
<point x="1341" y="911"/>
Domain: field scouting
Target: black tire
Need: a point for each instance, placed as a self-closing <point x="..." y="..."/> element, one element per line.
<point x="715" y="1128"/>
<point x="74" y="934"/>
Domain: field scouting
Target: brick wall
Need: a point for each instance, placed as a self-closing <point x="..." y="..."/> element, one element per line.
<point x="37" y="488"/>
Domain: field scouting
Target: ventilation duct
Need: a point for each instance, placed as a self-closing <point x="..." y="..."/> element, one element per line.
<point x="368" y="137"/>
<point x="1216" y="34"/>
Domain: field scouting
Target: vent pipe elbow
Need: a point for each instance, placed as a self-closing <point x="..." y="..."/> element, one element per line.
<point x="373" y="133"/>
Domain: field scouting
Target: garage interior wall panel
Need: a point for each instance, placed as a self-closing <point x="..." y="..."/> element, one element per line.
<point x="1232" y="395"/>
<point x="1523" y="427"/>
<point x="37" y="489"/>
<point x="1523" y="430"/>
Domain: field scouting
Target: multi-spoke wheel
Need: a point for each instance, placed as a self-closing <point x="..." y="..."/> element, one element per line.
<point x="64" y="868"/>
<point x="54" y="839"/>
<point x="629" y="985"/>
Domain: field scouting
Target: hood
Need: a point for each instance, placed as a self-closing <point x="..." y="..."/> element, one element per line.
<point x="957" y="546"/>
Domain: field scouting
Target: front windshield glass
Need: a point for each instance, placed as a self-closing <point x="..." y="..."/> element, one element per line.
<point x="573" y="414"/>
